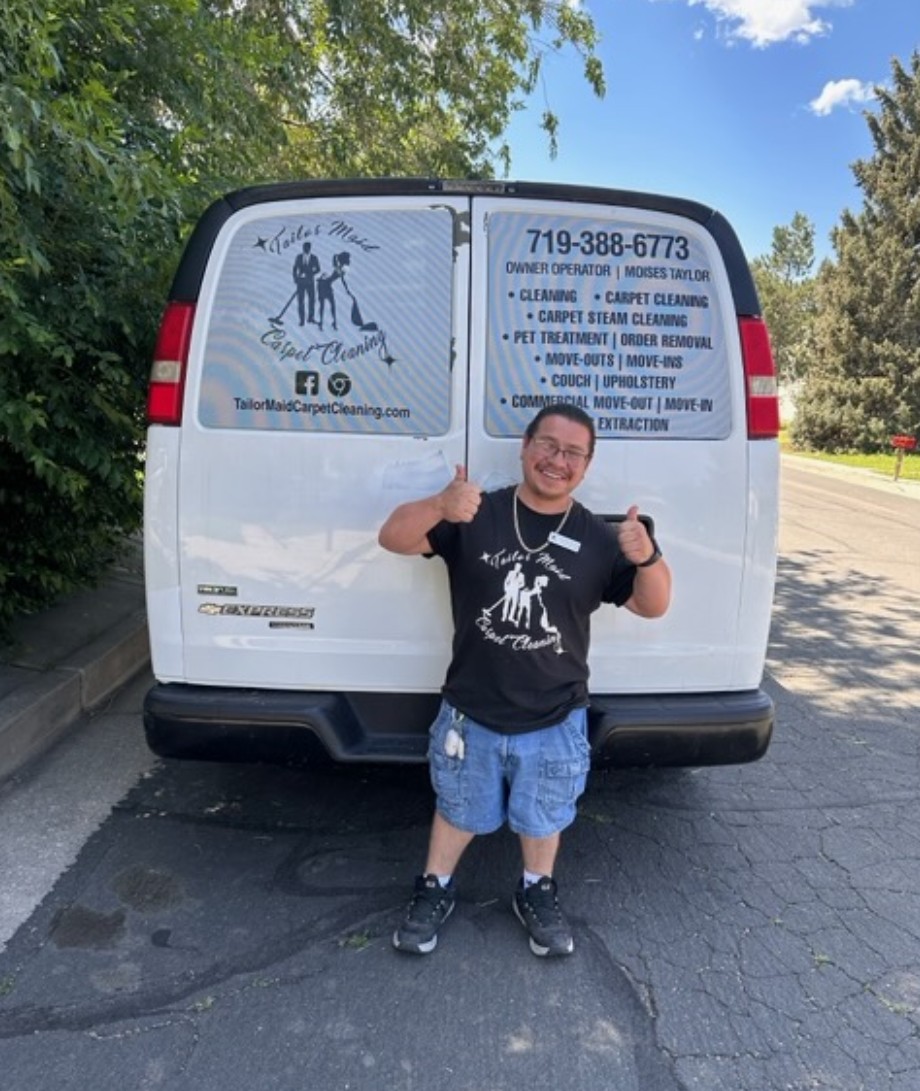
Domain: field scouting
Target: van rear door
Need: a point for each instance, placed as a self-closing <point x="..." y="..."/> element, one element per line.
<point x="327" y="384"/>
<point x="628" y="311"/>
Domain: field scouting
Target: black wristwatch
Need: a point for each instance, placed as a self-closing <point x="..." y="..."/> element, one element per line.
<point x="655" y="557"/>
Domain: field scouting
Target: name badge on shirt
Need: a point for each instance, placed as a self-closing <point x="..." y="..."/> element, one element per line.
<point x="564" y="542"/>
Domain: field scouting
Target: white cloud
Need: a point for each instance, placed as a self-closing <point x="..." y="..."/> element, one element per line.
<point x="840" y="93"/>
<point x="766" y="22"/>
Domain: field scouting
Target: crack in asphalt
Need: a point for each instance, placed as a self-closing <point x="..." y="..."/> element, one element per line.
<point x="31" y="1019"/>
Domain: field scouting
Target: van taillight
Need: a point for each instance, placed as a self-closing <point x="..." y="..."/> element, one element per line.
<point x="167" y="376"/>
<point x="762" y="393"/>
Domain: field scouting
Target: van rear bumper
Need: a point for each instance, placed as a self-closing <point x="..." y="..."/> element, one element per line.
<point x="680" y="729"/>
<point x="228" y="724"/>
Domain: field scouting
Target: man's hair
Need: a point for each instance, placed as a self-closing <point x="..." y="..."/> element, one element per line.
<point x="570" y="412"/>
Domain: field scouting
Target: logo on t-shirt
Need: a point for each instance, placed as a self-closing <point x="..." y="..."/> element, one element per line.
<point x="520" y="618"/>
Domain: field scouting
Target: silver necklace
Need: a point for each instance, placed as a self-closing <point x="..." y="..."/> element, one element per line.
<point x="517" y="527"/>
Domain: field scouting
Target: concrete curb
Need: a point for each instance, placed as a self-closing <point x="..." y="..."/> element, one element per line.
<point x="66" y="661"/>
<point x="38" y="713"/>
<point x="903" y="487"/>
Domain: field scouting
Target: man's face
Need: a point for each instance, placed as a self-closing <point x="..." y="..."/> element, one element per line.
<point x="555" y="460"/>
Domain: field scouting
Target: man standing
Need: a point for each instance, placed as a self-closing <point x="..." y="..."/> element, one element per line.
<point x="306" y="266"/>
<point x="510" y="741"/>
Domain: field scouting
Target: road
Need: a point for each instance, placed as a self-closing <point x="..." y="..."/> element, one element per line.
<point x="754" y="928"/>
<point x="832" y="514"/>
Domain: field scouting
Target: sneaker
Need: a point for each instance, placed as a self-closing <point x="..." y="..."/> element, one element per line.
<point x="537" y="908"/>
<point x="429" y="908"/>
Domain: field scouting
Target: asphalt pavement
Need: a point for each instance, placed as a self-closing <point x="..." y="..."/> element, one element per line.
<point x="69" y="659"/>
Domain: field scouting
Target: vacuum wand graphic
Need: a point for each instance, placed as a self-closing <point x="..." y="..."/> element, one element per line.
<point x="280" y="314"/>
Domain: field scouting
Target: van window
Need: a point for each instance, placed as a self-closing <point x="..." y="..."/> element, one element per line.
<point x="333" y="322"/>
<point x="621" y="317"/>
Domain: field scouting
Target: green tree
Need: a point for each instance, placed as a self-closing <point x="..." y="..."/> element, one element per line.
<point x="421" y="87"/>
<point x="787" y="288"/>
<point x="863" y="379"/>
<point x="81" y="225"/>
<point x="120" y="122"/>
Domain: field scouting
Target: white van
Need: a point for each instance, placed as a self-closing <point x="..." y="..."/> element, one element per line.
<point x="331" y="349"/>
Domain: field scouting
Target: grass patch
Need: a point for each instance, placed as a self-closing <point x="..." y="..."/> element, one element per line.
<point x="356" y="941"/>
<point x="882" y="463"/>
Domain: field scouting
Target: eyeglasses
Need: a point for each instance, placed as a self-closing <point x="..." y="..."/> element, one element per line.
<point x="549" y="448"/>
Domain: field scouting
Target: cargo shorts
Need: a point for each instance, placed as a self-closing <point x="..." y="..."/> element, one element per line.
<point x="484" y="779"/>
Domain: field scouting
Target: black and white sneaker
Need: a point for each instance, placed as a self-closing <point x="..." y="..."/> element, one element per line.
<point x="537" y="908"/>
<point x="429" y="908"/>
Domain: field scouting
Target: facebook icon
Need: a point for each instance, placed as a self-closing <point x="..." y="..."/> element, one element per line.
<point x="306" y="382"/>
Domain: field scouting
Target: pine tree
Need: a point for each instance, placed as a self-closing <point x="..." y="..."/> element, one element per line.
<point x="863" y="375"/>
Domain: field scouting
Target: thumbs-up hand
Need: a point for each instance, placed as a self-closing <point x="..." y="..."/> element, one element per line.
<point x="635" y="542"/>
<point x="460" y="500"/>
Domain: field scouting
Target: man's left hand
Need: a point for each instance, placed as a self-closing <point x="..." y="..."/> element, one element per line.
<point x="634" y="538"/>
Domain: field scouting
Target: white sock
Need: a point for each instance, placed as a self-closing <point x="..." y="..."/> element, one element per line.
<point x="530" y="878"/>
<point x="443" y="880"/>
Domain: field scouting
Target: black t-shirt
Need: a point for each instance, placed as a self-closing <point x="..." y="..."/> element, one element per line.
<point x="522" y="611"/>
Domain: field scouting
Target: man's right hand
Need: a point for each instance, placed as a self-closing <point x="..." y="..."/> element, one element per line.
<point x="461" y="499"/>
<point x="406" y="530"/>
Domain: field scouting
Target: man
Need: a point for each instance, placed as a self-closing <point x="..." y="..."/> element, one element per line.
<point x="306" y="267"/>
<point x="510" y="741"/>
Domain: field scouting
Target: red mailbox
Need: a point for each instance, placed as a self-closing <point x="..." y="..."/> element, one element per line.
<point x="902" y="444"/>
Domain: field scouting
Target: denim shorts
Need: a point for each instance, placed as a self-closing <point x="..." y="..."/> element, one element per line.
<point x="532" y="781"/>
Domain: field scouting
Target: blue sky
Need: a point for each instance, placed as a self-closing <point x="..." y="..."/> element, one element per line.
<point x="755" y="107"/>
